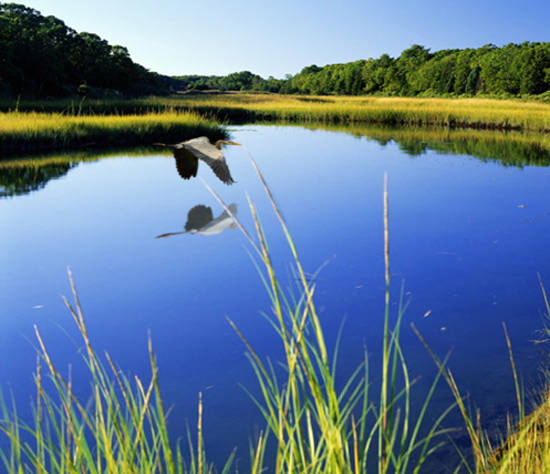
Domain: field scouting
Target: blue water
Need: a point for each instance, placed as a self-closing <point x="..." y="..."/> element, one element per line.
<point x="468" y="239"/>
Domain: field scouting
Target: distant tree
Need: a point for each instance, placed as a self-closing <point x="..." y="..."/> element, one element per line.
<point x="472" y="83"/>
<point x="463" y="66"/>
<point x="534" y="72"/>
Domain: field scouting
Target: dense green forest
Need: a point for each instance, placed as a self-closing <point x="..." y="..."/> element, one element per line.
<point x="41" y="57"/>
<point x="237" y="81"/>
<point x="512" y="70"/>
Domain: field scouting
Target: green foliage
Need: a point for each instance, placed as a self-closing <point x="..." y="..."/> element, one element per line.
<point x="472" y="82"/>
<point x="237" y="81"/>
<point x="511" y="70"/>
<point x="42" y="57"/>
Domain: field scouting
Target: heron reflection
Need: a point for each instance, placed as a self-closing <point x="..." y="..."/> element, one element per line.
<point x="200" y="220"/>
<point x="188" y="154"/>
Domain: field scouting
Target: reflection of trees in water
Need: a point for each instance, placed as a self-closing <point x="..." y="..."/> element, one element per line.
<point x="505" y="148"/>
<point x="19" y="180"/>
<point x="505" y="153"/>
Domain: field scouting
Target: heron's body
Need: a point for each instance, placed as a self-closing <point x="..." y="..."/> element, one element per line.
<point x="200" y="220"/>
<point x="217" y="225"/>
<point x="189" y="152"/>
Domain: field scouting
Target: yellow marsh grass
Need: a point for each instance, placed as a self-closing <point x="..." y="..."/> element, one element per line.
<point x="527" y="449"/>
<point x="459" y="112"/>
<point x="28" y="130"/>
<point x="32" y="122"/>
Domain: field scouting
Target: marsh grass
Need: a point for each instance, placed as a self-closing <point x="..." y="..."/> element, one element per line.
<point x="526" y="444"/>
<point x="524" y="447"/>
<point x="121" y="429"/>
<point x="477" y="113"/>
<point x="43" y="125"/>
<point x="20" y="132"/>
<point x="454" y="113"/>
<point x="317" y="426"/>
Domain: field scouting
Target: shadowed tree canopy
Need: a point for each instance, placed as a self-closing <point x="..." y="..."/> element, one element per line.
<point x="40" y="56"/>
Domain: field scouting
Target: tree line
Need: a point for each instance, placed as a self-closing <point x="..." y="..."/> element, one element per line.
<point x="40" y="56"/>
<point x="237" y="81"/>
<point x="512" y="70"/>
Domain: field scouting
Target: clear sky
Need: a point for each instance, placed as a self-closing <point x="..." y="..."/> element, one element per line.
<point x="277" y="37"/>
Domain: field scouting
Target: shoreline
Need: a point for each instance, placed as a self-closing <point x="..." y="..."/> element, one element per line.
<point x="66" y="124"/>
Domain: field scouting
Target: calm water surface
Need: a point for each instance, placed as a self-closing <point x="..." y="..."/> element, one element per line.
<point x="467" y="239"/>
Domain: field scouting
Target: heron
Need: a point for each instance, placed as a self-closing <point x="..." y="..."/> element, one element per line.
<point x="200" y="220"/>
<point x="188" y="154"/>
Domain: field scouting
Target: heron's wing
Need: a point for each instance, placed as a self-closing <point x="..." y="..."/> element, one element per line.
<point x="187" y="164"/>
<point x="198" y="217"/>
<point x="232" y="208"/>
<point x="220" y="169"/>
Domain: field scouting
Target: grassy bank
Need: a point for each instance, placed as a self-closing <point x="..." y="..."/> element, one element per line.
<point x="46" y="125"/>
<point x="33" y="131"/>
<point x="240" y="107"/>
<point x="454" y="113"/>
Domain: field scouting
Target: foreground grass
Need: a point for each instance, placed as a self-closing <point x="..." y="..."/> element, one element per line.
<point x="527" y="448"/>
<point x="20" y="132"/>
<point x="312" y="425"/>
<point x="238" y="107"/>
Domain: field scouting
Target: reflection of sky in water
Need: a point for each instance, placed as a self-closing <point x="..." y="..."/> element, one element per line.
<point x="465" y="249"/>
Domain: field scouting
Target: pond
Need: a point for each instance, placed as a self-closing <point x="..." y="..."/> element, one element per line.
<point x="469" y="225"/>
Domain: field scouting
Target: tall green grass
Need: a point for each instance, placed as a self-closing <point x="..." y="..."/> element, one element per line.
<point x="319" y="427"/>
<point x="313" y="423"/>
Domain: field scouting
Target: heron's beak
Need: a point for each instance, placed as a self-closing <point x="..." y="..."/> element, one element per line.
<point x="169" y="234"/>
<point x="232" y="143"/>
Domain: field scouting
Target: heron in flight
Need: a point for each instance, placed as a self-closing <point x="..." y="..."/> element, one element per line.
<point x="188" y="154"/>
<point x="200" y="220"/>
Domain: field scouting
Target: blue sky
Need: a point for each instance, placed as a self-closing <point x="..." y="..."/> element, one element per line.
<point x="280" y="37"/>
